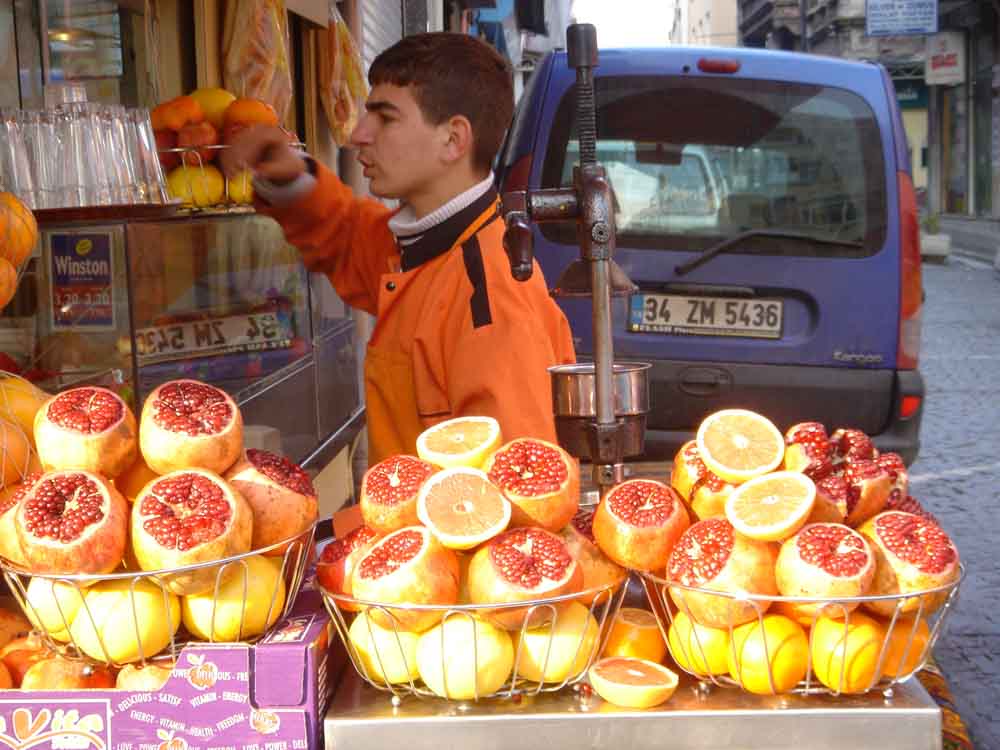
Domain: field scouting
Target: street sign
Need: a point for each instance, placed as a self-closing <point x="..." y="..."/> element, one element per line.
<point x="901" y="17"/>
<point x="944" y="62"/>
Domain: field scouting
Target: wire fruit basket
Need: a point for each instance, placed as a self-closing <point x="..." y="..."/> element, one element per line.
<point x="466" y="657"/>
<point x="133" y="617"/>
<point x="843" y="648"/>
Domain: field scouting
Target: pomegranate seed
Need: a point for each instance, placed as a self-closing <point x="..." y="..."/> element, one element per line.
<point x="703" y="477"/>
<point x="583" y="521"/>
<point x="186" y="510"/>
<point x="391" y="553"/>
<point x="909" y="504"/>
<point x="192" y="408"/>
<point x="916" y="540"/>
<point x="63" y="506"/>
<point x="282" y="471"/>
<point x="528" y="468"/>
<point x="642" y="503"/>
<point x="396" y="479"/>
<point x="338" y="549"/>
<point x="526" y="556"/>
<point x="833" y="548"/>
<point x="701" y="552"/>
<point x="853" y="444"/>
<point x="15" y="497"/>
<point x="86" y="410"/>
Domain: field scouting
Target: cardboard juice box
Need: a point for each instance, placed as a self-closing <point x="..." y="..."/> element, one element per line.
<point x="267" y="696"/>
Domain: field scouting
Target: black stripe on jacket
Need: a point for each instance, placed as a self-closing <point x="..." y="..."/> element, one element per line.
<point x="472" y="254"/>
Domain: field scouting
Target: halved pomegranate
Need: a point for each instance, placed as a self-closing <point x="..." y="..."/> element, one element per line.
<point x="868" y="487"/>
<point x="852" y="445"/>
<point x="830" y="505"/>
<point x="280" y="494"/>
<point x="409" y="566"/>
<point x="704" y="492"/>
<point x="187" y="517"/>
<point x="907" y="504"/>
<point x="912" y="554"/>
<point x="86" y="428"/>
<point x="389" y="492"/>
<point x="186" y="424"/>
<point x="10" y="498"/>
<point x="72" y="522"/>
<point x="541" y="480"/>
<point x="824" y="561"/>
<point x="638" y="522"/>
<point x="518" y="565"/>
<point x="338" y="558"/>
<point x="597" y="569"/>
<point x="808" y="450"/>
<point x="711" y="555"/>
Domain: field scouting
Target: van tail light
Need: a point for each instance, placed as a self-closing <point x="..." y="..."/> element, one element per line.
<point x="911" y="287"/>
<point x="909" y="405"/>
<point x="716" y="65"/>
<point x="517" y="175"/>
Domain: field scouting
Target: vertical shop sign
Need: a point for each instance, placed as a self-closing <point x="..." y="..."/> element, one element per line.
<point x="944" y="63"/>
<point x="901" y="17"/>
<point x="82" y="289"/>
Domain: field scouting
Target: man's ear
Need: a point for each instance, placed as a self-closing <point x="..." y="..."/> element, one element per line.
<point x="458" y="138"/>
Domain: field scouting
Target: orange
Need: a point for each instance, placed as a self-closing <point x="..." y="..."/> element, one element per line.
<point x="214" y="102"/>
<point x="20" y="400"/>
<point x="697" y="648"/>
<point x="197" y="186"/>
<point x="463" y="441"/>
<point x="773" y="507"/>
<point x="905" y="646"/>
<point x="17" y="457"/>
<point x="558" y="651"/>
<point x="249" y="112"/>
<point x="779" y="650"/>
<point x="18" y="230"/>
<point x="845" y="654"/>
<point x="176" y="113"/>
<point x="635" y="633"/>
<point x="462" y="507"/>
<point x="737" y="445"/>
<point x="240" y="188"/>
<point x="8" y="282"/>
<point x="632" y="683"/>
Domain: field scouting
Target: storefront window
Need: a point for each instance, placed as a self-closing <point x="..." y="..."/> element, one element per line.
<point x="955" y="148"/>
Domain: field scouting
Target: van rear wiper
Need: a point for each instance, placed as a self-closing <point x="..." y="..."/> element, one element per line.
<point x="720" y="247"/>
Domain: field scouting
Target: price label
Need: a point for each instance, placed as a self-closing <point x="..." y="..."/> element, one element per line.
<point x="200" y="338"/>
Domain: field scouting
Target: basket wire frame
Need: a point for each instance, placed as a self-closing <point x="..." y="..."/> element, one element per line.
<point x="604" y="606"/>
<point x="295" y="553"/>
<point x="665" y="608"/>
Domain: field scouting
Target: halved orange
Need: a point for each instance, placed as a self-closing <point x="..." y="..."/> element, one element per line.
<point x="462" y="507"/>
<point x="635" y="633"/>
<point x="773" y="507"/>
<point x="462" y="441"/>
<point x="738" y="445"/>
<point x="633" y="683"/>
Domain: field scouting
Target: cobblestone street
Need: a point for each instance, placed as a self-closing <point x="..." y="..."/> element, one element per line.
<point x="957" y="474"/>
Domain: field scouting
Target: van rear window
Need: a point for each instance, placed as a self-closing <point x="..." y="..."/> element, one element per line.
<point x="693" y="160"/>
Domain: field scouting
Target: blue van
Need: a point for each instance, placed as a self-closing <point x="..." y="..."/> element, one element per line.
<point x="765" y="209"/>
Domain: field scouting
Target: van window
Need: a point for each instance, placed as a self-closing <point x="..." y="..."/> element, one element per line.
<point x="692" y="160"/>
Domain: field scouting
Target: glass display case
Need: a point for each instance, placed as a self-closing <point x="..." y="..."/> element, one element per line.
<point x="221" y="298"/>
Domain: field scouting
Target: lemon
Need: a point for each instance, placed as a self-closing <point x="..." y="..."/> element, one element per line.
<point x="241" y="188"/>
<point x="462" y="658"/>
<point x="197" y="186"/>
<point x="698" y="649"/>
<point x="52" y="606"/>
<point x="264" y="594"/>
<point x="214" y="102"/>
<point x="388" y="655"/>
<point x="560" y="652"/>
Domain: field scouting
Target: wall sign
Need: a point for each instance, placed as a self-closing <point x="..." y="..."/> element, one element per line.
<point x="944" y="63"/>
<point x="901" y="17"/>
<point x="82" y="288"/>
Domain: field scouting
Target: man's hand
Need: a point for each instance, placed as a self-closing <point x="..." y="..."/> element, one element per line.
<point x="265" y="151"/>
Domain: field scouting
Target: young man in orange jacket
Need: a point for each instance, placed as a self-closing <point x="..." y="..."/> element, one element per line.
<point x="455" y="333"/>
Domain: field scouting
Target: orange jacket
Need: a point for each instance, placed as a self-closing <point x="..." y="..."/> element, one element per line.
<point x="455" y="334"/>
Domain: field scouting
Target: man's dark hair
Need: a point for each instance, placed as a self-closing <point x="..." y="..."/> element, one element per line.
<point x="454" y="74"/>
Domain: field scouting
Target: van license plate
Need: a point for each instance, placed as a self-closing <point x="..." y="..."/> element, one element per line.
<point x="706" y="316"/>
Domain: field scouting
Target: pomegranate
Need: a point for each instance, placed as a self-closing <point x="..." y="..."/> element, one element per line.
<point x="597" y="569"/>
<point x="830" y="505"/>
<point x="912" y="554"/>
<point x="868" y="486"/>
<point x="10" y="498"/>
<point x="638" y="522"/>
<point x="408" y="566"/>
<point x="518" y="565"/>
<point x="58" y="673"/>
<point x="898" y="476"/>
<point x="541" y="480"/>
<point x="389" y="492"/>
<point x="808" y="450"/>
<point x="337" y="561"/>
<point x="824" y="561"/>
<point x="281" y="496"/>
<point x="908" y="504"/>
<point x="711" y="555"/>
<point x="188" y="424"/>
<point x="72" y="522"/>
<point x="704" y="492"/>
<point x="852" y="445"/>
<point x="86" y="428"/>
<point x="187" y="517"/>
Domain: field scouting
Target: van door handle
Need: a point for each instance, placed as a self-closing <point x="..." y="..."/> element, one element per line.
<point x="705" y="381"/>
